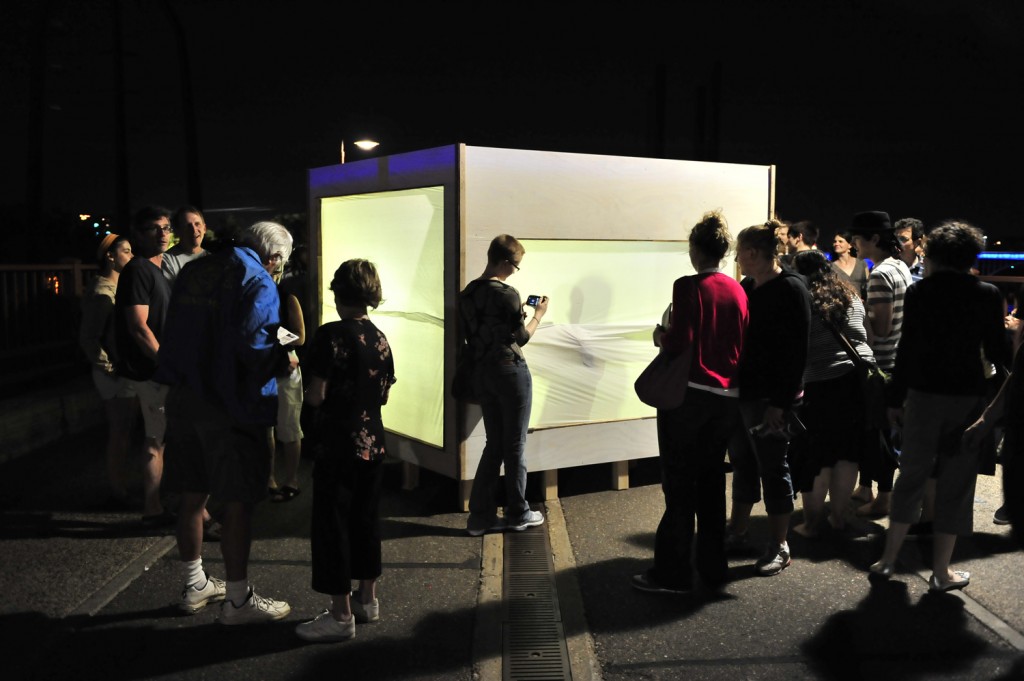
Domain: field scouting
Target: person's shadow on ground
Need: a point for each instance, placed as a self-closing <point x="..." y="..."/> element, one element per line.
<point x="888" y="637"/>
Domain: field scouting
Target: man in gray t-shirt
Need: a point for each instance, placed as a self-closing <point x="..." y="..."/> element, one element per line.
<point x="190" y="228"/>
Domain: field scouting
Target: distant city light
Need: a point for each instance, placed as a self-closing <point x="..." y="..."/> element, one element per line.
<point x="84" y="216"/>
<point x="1001" y="256"/>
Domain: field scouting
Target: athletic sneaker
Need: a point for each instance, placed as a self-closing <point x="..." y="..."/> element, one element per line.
<point x="194" y="599"/>
<point x="1001" y="517"/>
<point x="644" y="582"/>
<point x="325" y="629"/>
<point x="474" y="530"/>
<point x="364" y="612"/>
<point x="256" y="608"/>
<point x="775" y="560"/>
<point x="532" y="519"/>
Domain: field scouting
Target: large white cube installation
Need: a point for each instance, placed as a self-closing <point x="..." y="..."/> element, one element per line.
<point x="605" y="237"/>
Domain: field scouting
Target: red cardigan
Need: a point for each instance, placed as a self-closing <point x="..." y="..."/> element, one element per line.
<point x="709" y="312"/>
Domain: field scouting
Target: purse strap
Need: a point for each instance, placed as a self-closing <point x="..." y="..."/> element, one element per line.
<point x="843" y="341"/>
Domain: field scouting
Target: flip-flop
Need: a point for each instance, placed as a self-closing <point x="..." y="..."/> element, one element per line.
<point x="286" y="493"/>
<point x="868" y="511"/>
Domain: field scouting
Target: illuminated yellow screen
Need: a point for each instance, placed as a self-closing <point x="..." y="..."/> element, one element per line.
<point x="402" y="233"/>
<point x="606" y="297"/>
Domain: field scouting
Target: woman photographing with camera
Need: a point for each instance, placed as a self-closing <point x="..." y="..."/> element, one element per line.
<point x="494" y="327"/>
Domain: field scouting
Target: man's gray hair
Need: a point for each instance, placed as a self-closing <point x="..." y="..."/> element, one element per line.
<point x="267" y="238"/>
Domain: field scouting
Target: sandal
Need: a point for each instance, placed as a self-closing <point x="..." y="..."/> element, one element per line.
<point x="285" y="493"/>
<point x="871" y="510"/>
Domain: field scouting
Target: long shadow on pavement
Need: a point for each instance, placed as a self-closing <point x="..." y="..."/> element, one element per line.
<point x="888" y="637"/>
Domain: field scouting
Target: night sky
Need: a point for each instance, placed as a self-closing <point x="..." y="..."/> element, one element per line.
<point x="908" y="107"/>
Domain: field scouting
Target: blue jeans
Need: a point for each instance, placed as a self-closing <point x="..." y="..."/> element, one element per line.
<point x="506" y="395"/>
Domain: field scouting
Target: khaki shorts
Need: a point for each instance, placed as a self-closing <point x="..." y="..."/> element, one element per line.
<point x="289" y="407"/>
<point x="110" y="386"/>
<point x="152" y="396"/>
<point x="208" y="454"/>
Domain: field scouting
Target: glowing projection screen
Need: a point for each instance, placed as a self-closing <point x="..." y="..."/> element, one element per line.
<point x="402" y="233"/>
<point x="606" y="297"/>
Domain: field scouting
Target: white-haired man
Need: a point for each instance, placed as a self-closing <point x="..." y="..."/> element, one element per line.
<point x="220" y="355"/>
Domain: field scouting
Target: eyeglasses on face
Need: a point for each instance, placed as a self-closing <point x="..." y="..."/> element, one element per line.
<point x="166" y="229"/>
<point x="513" y="264"/>
<point x="275" y="258"/>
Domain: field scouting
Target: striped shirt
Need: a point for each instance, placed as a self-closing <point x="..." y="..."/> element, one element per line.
<point x="826" y="358"/>
<point x="887" y="285"/>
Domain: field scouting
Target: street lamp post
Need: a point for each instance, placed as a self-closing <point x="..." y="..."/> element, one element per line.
<point x="364" y="144"/>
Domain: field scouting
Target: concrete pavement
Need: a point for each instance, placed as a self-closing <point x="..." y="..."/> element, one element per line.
<point x="89" y="593"/>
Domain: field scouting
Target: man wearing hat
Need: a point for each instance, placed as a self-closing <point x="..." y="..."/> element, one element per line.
<point x="875" y="239"/>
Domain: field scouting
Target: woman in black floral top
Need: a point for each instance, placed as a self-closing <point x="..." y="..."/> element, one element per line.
<point x="352" y="371"/>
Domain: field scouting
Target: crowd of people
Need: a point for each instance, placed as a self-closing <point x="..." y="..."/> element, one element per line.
<point x="776" y="389"/>
<point x="206" y="345"/>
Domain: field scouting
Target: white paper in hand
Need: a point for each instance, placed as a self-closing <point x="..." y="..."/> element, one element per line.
<point x="284" y="336"/>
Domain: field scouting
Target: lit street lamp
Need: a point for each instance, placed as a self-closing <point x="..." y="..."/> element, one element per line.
<point x="364" y="144"/>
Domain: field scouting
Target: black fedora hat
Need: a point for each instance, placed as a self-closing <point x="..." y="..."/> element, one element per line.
<point x="871" y="222"/>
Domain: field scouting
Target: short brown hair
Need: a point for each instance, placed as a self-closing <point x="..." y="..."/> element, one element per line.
<point x="356" y="283"/>
<point x="505" y="248"/>
<point x="179" y="215"/>
<point x="955" y="244"/>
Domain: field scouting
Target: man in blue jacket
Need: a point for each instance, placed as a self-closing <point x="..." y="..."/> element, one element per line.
<point x="220" y="354"/>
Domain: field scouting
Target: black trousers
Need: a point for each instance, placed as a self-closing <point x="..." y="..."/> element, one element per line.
<point x="345" y="535"/>
<point x="692" y="441"/>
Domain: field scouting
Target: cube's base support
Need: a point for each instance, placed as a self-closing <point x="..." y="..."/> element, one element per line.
<point x="620" y="475"/>
<point x="410" y="476"/>
<point x="549" y="481"/>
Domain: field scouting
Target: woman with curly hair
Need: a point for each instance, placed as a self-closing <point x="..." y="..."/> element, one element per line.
<point x="709" y="317"/>
<point x="833" y="400"/>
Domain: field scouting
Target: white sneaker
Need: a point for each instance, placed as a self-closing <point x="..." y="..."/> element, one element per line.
<point x="775" y="560"/>
<point x="325" y="629"/>
<point x="256" y="608"/>
<point x="364" y="612"/>
<point x="193" y="600"/>
<point x="532" y="519"/>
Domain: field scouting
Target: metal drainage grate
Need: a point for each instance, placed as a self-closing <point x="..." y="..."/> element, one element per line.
<point x="533" y="639"/>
